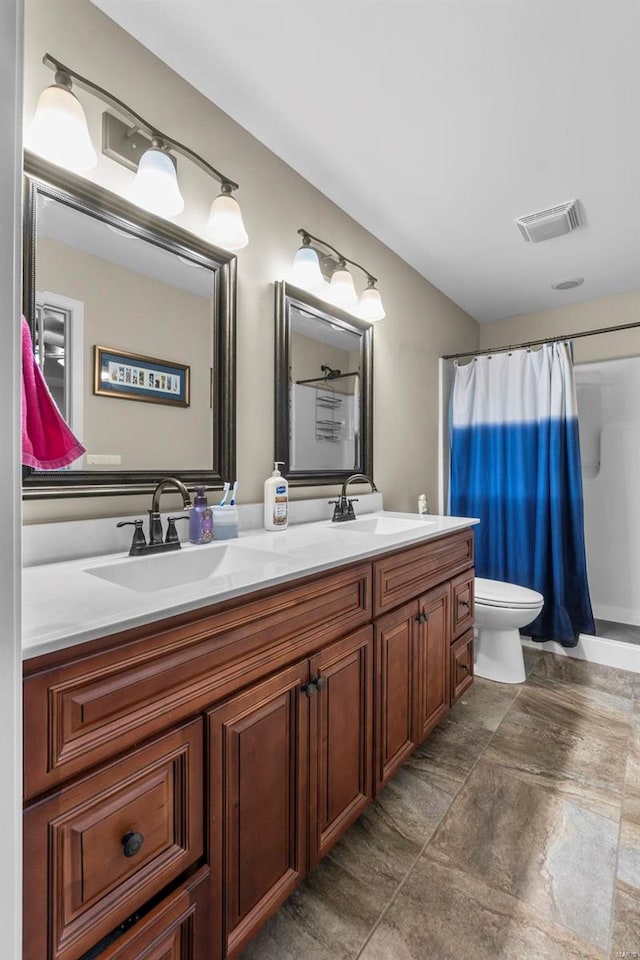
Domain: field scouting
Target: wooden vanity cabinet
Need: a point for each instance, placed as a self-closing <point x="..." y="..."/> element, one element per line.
<point x="289" y="770"/>
<point x="240" y="741"/>
<point x="412" y="677"/>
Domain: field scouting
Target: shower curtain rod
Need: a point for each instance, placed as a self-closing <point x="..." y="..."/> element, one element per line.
<point x="537" y="343"/>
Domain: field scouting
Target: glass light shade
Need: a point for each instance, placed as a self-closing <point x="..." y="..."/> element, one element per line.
<point x="341" y="289"/>
<point x="225" y="226"/>
<point x="370" y="305"/>
<point x="306" y="272"/>
<point x="59" y="131"/>
<point x="155" y="187"/>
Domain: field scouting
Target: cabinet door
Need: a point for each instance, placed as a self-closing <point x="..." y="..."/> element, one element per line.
<point x="341" y="718"/>
<point x="394" y="707"/>
<point x="462" y="609"/>
<point x="461" y="666"/>
<point x="431" y="658"/>
<point x="258" y="771"/>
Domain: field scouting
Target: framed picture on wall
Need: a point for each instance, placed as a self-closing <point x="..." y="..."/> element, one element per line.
<point x="131" y="376"/>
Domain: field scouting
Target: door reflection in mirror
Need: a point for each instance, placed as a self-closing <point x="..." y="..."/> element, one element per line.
<point x="58" y="345"/>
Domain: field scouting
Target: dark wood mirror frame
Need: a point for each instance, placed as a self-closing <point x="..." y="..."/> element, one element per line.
<point x="286" y="297"/>
<point x="43" y="178"/>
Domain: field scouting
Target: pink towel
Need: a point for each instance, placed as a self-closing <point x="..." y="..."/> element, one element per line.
<point x="47" y="441"/>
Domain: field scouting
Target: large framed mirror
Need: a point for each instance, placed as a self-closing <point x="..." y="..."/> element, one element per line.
<point x="323" y="390"/>
<point x="133" y="326"/>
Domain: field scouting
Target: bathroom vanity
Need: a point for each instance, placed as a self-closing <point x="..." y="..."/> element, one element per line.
<point x="184" y="774"/>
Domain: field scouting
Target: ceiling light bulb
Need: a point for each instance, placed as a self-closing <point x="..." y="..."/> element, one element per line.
<point x="306" y="272"/>
<point x="155" y="187"/>
<point x="59" y="130"/>
<point x="370" y="305"/>
<point x="225" y="226"/>
<point x="341" y="289"/>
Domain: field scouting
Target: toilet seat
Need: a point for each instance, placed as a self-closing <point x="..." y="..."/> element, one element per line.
<point x="496" y="593"/>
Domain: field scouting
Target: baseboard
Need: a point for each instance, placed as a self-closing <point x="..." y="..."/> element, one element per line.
<point x="610" y="653"/>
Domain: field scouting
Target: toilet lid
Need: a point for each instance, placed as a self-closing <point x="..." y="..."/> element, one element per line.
<point x="496" y="593"/>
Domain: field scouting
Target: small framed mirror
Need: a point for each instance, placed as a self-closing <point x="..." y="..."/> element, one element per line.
<point x="323" y="390"/>
<point x="133" y="327"/>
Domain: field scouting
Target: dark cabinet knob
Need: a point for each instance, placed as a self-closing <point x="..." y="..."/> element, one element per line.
<point x="320" y="683"/>
<point x="465" y="604"/>
<point x="310" y="688"/>
<point x="464" y="667"/>
<point x="422" y="617"/>
<point x="132" y="843"/>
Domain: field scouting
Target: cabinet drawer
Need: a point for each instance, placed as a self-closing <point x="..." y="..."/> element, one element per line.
<point x="462" y="612"/>
<point x="80" y="713"/>
<point x="97" y="850"/>
<point x="405" y="575"/>
<point x="461" y="665"/>
<point x="176" y="929"/>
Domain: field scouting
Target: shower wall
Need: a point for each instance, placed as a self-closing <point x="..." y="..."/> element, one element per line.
<point x="609" y="420"/>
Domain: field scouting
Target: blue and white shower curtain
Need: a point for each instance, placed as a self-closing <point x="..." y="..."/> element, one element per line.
<point x="515" y="464"/>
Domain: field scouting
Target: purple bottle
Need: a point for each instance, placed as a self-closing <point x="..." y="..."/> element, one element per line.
<point x="200" y="519"/>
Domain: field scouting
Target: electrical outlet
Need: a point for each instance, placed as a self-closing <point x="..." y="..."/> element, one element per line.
<point x="104" y="459"/>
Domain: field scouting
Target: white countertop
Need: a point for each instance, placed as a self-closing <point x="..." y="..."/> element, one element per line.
<point x="64" y="604"/>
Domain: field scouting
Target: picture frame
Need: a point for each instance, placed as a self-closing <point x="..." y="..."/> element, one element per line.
<point x="133" y="376"/>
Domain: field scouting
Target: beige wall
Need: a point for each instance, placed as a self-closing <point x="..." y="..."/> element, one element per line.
<point x="575" y="318"/>
<point x="421" y="322"/>
<point x="134" y="313"/>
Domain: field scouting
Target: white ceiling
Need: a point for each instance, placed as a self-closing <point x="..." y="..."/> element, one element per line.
<point x="435" y="122"/>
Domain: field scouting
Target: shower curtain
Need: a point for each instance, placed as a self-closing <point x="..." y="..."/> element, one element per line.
<point x="515" y="464"/>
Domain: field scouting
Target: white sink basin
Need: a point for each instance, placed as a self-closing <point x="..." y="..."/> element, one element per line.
<point x="165" y="570"/>
<point x="382" y="526"/>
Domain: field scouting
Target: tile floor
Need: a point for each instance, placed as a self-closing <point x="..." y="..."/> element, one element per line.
<point x="513" y="833"/>
<point x="627" y="632"/>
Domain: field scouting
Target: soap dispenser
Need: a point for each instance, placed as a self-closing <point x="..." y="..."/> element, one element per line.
<point x="200" y="519"/>
<point x="276" y="497"/>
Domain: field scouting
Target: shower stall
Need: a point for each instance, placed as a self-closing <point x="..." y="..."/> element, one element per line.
<point x="609" y="424"/>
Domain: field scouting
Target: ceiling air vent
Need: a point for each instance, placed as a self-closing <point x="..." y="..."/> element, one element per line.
<point x="553" y="222"/>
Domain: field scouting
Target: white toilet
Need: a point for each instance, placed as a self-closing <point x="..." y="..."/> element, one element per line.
<point x="501" y="609"/>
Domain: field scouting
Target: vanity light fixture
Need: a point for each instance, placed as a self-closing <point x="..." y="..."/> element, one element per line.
<point x="342" y="289"/>
<point x="225" y="226"/>
<point x="306" y="272"/>
<point x="155" y="187"/>
<point x="59" y="133"/>
<point x="370" y="303"/>
<point x="59" y="130"/>
<point x="309" y="265"/>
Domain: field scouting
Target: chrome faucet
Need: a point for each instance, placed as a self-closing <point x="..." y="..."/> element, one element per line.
<point x="343" y="506"/>
<point x="156" y="543"/>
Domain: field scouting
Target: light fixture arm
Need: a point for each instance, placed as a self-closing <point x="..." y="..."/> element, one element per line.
<point x="306" y="237"/>
<point x="140" y="122"/>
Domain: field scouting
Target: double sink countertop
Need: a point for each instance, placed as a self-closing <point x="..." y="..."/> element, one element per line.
<point x="78" y="600"/>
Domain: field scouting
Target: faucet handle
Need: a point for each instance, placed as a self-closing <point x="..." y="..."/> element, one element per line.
<point x="139" y="539"/>
<point x="172" y="533"/>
